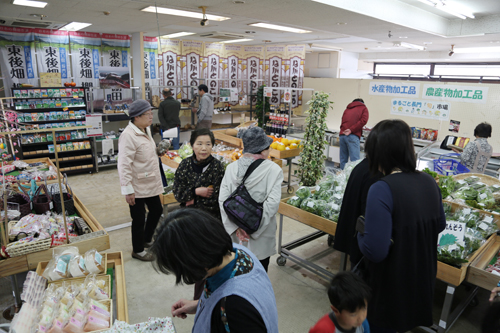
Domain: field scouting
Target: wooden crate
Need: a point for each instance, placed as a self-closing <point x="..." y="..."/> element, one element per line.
<point x="222" y="136"/>
<point x="167" y="199"/>
<point x="476" y="273"/>
<point x="169" y="162"/>
<point x="455" y="205"/>
<point x="310" y="219"/>
<point x="30" y="261"/>
<point x="115" y="260"/>
<point x="40" y="268"/>
<point x="277" y="161"/>
<point x="282" y="154"/>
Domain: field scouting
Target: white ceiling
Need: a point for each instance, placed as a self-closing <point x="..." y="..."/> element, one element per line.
<point x="366" y="28"/>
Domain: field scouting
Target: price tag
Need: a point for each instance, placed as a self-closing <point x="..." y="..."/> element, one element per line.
<point x="338" y="188"/>
<point x="310" y="204"/>
<point x="317" y="187"/>
<point x="335" y="207"/>
<point x="488" y="219"/>
<point x="483" y="226"/>
<point x="461" y="182"/>
<point x="483" y="196"/>
<point x="110" y="136"/>
<point x="467" y="211"/>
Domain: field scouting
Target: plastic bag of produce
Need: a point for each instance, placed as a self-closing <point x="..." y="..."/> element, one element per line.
<point x="485" y="197"/>
<point x="447" y="185"/>
<point x="486" y="226"/>
<point x="453" y="254"/>
<point x="472" y="179"/>
<point x="178" y="159"/>
<point x="185" y="150"/>
<point x="294" y="201"/>
<point x="324" y="195"/>
<point x="349" y="167"/>
<point x="303" y="192"/>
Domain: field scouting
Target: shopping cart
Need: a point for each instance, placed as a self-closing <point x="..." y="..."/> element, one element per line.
<point x="447" y="166"/>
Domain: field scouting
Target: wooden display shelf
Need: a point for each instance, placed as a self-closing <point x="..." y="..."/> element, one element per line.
<point x="79" y="167"/>
<point x="476" y="273"/>
<point x="455" y="205"/>
<point x="171" y="163"/>
<point x="310" y="219"/>
<point x="222" y="136"/>
<point x="167" y="199"/>
<point x="30" y="261"/>
<point x="40" y="268"/>
<point x="73" y="158"/>
<point x="282" y="154"/>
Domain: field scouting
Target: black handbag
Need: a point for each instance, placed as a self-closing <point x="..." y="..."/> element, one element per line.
<point x="241" y="208"/>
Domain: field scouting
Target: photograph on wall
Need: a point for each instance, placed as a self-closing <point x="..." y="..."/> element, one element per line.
<point x="114" y="77"/>
<point x="454" y="126"/>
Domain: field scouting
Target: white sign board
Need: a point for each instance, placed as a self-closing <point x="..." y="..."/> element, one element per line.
<point x="96" y="122"/>
<point x="453" y="233"/>
<point x="407" y="89"/>
<point x="420" y="108"/>
<point x="287" y="96"/>
<point x="268" y="92"/>
<point x="445" y="92"/>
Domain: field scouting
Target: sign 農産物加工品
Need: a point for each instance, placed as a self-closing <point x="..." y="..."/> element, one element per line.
<point x="468" y="94"/>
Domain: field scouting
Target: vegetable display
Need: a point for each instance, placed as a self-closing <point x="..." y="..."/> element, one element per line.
<point x="472" y="192"/>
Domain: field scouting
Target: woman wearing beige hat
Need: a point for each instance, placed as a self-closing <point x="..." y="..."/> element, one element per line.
<point x="140" y="177"/>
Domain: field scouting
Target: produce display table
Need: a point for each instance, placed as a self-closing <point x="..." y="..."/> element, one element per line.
<point x="323" y="226"/>
<point x="30" y="261"/>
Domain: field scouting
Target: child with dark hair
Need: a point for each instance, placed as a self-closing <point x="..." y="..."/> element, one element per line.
<point x="349" y="296"/>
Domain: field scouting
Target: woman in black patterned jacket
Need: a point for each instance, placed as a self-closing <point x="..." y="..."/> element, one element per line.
<point x="198" y="178"/>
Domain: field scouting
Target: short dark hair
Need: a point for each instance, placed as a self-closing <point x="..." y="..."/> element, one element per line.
<point x="390" y="146"/>
<point x="199" y="132"/>
<point x="189" y="242"/>
<point x="167" y="92"/>
<point x="203" y="87"/>
<point x="359" y="100"/>
<point x="483" y="130"/>
<point x="348" y="292"/>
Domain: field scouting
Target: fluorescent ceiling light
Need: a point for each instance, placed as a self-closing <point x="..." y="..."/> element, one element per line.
<point x="236" y="41"/>
<point x="450" y="8"/>
<point x="412" y="46"/>
<point x="75" y="26"/>
<point x="37" y="4"/>
<point x="279" y="27"/>
<point x="178" y="34"/>
<point x="477" y="49"/>
<point x="185" y="13"/>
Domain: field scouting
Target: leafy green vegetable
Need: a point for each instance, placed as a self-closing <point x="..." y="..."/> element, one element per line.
<point x="447" y="185"/>
<point x="294" y="201"/>
<point x="185" y="151"/>
<point x="303" y="192"/>
<point x="473" y="203"/>
<point x="169" y="174"/>
<point x="324" y="195"/>
<point x="432" y="173"/>
<point x="451" y="258"/>
<point x="308" y="204"/>
<point x="472" y="179"/>
<point x="470" y="194"/>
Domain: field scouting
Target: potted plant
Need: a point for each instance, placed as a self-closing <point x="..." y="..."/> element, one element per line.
<point x="312" y="158"/>
<point x="259" y="107"/>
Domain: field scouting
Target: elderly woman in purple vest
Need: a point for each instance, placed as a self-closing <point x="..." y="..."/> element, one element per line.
<point x="193" y="245"/>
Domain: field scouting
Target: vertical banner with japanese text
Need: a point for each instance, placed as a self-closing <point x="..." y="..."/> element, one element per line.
<point x="17" y="53"/>
<point x="254" y="56"/>
<point x="115" y="50"/>
<point x="234" y="54"/>
<point x="275" y="70"/>
<point x="52" y="49"/>
<point x="215" y="53"/>
<point x="193" y="51"/>
<point x="86" y="57"/>
<point x="296" y="54"/>
<point x="170" y="66"/>
<point x="150" y="64"/>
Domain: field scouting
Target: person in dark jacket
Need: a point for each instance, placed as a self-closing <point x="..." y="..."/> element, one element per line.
<point x="353" y="120"/>
<point x="353" y="206"/>
<point x="168" y="113"/>
<point x="404" y="215"/>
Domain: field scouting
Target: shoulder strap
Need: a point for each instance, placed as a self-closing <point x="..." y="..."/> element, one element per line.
<point x="255" y="164"/>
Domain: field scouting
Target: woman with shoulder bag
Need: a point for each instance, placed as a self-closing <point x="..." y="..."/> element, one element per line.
<point x="263" y="185"/>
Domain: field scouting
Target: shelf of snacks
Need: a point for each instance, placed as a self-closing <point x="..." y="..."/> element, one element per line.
<point x="455" y="257"/>
<point x="84" y="231"/>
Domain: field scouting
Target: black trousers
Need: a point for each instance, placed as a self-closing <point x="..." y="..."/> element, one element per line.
<point x="265" y="263"/>
<point x="143" y="228"/>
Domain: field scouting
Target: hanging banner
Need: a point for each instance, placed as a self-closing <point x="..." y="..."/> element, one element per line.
<point x="214" y="53"/>
<point x="296" y="54"/>
<point x="86" y="57"/>
<point x="193" y="51"/>
<point x="254" y="56"/>
<point x="170" y="67"/>
<point x="150" y="64"/>
<point x="17" y="52"/>
<point x="275" y="69"/>
<point x="407" y="89"/>
<point x="52" y="49"/>
<point x="234" y="54"/>
<point x="445" y="92"/>
<point x="115" y="50"/>
<point x="420" y="108"/>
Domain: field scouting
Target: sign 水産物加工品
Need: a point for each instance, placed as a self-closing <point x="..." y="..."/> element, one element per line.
<point x="468" y="94"/>
<point x="411" y="90"/>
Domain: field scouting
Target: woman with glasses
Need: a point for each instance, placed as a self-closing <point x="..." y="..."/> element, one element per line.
<point x="140" y="177"/>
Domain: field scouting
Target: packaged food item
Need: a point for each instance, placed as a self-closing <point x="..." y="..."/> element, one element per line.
<point x="68" y="135"/>
<point x="99" y="313"/>
<point x="72" y="115"/>
<point x="73" y="326"/>
<point x="95" y="324"/>
<point x="63" y="147"/>
<point x="79" y="314"/>
<point x="58" y="103"/>
<point x="57" y="327"/>
<point x="94" y="261"/>
<point x="87" y="144"/>
<point x="77" y="267"/>
<point x="69" y="146"/>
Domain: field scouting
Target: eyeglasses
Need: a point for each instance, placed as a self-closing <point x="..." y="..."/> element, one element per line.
<point x="149" y="114"/>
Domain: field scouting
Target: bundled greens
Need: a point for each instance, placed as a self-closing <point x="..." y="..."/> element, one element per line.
<point x="294" y="201"/>
<point x="447" y="185"/>
<point x="303" y="192"/>
<point x="432" y="173"/>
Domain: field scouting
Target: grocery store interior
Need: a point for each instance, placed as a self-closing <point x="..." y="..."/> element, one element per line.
<point x="71" y="69"/>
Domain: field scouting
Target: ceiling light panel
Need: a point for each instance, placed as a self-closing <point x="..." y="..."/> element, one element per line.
<point x="75" y="26"/>
<point x="178" y="34"/>
<point x="37" y="4"/>
<point x="280" y="27"/>
<point x="184" y="13"/>
<point x="236" y="41"/>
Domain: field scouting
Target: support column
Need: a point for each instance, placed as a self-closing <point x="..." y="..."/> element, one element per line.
<point x="138" y="62"/>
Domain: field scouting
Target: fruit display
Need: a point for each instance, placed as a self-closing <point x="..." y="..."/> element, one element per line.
<point x="478" y="227"/>
<point x="282" y="144"/>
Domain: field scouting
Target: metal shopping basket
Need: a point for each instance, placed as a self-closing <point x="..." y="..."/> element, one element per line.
<point x="447" y="166"/>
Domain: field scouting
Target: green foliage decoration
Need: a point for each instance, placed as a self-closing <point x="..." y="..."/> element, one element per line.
<point x="312" y="159"/>
<point x="259" y="106"/>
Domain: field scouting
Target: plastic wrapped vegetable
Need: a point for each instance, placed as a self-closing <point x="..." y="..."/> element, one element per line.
<point x="308" y="204"/>
<point x="320" y="207"/>
<point x="486" y="197"/>
<point x="294" y="201"/>
<point x="430" y="172"/>
<point x="303" y="192"/>
<point x="452" y="254"/>
<point x="478" y="185"/>
<point x="447" y="185"/>
<point x="185" y="150"/>
<point x="472" y="179"/>
<point x="325" y="195"/>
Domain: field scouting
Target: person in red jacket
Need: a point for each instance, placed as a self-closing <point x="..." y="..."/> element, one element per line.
<point x="353" y="120"/>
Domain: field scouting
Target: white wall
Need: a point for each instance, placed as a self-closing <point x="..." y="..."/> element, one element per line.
<point x="322" y="64"/>
<point x="349" y="67"/>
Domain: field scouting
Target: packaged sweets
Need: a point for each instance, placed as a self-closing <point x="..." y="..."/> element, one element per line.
<point x="77" y="266"/>
<point x="93" y="259"/>
<point x="43" y="93"/>
<point x="94" y="324"/>
<point x="87" y="144"/>
<point x="73" y="326"/>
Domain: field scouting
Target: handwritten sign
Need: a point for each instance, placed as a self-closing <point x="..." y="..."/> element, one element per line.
<point x="453" y="233"/>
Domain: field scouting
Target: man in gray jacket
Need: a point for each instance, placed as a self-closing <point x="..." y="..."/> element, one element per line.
<point x="205" y="109"/>
<point x="168" y="113"/>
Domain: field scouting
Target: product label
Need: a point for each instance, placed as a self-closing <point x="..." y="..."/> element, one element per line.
<point x="467" y="211"/>
<point x="488" y="219"/>
<point x="483" y="226"/>
<point x="496" y="186"/>
<point x="98" y="258"/>
<point x="483" y="196"/>
<point x="338" y="188"/>
<point x="335" y="207"/>
<point x="310" y="204"/>
<point x="461" y="181"/>
<point x="81" y="263"/>
<point x="61" y="266"/>
<point x="317" y="187"/>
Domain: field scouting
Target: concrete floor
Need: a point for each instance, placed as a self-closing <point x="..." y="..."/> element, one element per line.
<point x="300" y="295"/>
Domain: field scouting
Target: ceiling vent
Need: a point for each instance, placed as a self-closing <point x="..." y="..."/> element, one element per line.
<point x="15" y="22"/>
<point x="221" y="35"/>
